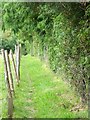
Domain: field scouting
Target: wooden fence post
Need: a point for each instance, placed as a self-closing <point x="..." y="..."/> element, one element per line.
<point x="14" y="67"/>
<point x="10" y="97"/>
<point x="6" y="74"/>
<point x="10" y="107"/>
<point x="15" y="54"/>
<point x="9" y="71"/>
<point x="18" y="62"/>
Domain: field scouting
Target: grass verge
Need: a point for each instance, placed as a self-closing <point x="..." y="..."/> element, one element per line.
<point x="42" y="94"/>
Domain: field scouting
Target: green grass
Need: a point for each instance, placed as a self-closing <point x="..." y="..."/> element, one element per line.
<point x="0" y="85"/>
<point x="3" y="91"/>
<point x="42" y="94"/>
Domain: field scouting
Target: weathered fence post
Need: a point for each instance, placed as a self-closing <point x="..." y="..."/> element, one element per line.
<point x="17" y="53"/>
<point x="18" y="63"/>
<point x="10" y="97"/>
<point x="6" y="73"/>
<point x="10" y="107"/>
<point x="14" y="67"/>
<point x="9" y="71"/>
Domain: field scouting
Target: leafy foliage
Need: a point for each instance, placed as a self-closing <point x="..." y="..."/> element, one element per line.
<point x="8" y="42"/>
<point x="60" y="30"/>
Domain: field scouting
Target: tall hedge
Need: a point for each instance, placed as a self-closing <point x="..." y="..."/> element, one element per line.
<point x="58" y="31"/>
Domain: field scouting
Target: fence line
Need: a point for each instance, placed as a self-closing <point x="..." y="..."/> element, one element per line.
<point x="9" y="76"/>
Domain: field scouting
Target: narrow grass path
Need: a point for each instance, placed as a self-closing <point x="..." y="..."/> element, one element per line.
<point x="42" y="94"/>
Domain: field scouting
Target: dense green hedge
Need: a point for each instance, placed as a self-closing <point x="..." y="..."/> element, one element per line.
<point x="58" y="31"/>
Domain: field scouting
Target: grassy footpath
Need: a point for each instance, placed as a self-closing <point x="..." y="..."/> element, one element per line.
<point x="42" y="94"/>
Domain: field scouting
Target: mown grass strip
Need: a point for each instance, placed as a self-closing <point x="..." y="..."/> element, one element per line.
<point x="42" y="94"/>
